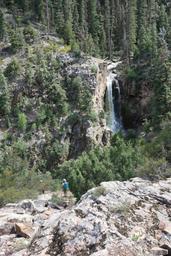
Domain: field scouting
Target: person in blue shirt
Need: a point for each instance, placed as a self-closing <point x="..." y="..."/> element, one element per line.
<point x="65" y="187"/>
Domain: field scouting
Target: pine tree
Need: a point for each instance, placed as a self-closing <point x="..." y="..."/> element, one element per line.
<point x="10" y="4"/>
<point x="107" y="26"/>
<point x="142" y="29"/>
<point x="39" y="9"/>
<point x="76" y="25"/>
<point x="68" y="32"/>
<point x="132" y="26"/>
<point x="4" y="95"/>
<point x="59" y="16"/>
<point x="2" y="25"/>
<point x="82" y="18"/>
<point x="93" y="19"/>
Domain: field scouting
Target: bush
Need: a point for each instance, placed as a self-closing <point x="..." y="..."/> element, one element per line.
<point x="117" y="162"/>
<point x="94" y="69"/>
<point x="75" y="49"/>
<point x="20" y="147"/>
<point x="79" y="94"/>
<point x="22" y="121"/>
<point x="57" y="200"/>
<point x="13" y="69"/>
<point x="16" y="40"/>
<point x="4" y="95"/>
<point x="99" y="191"/>
<point x="12" y="195"/>
<point x="18" y="186"/>
<point x="153" y="168"/>
<point x="131" y="74"/>
<point x="29" y="34"/>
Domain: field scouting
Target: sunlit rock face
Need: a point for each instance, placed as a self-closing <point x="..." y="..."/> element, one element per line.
<point x="117" y="218"/>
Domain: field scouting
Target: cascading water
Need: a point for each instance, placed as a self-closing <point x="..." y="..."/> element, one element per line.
<point x="113" y="103"/>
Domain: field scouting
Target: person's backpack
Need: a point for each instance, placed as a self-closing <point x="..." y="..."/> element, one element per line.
<point x="65" y="186"/>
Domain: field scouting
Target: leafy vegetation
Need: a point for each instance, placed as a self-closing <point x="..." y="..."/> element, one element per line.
<point x="14" y="186"/>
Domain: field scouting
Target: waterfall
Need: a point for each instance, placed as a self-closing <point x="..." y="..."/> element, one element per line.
<point x="113" y="103"/>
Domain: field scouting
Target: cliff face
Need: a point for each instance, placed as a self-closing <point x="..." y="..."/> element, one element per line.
<point x="85" y="132"/>
<point x="98" y="98"/>
<point x="135" y="104"/>
<point x="117" y="218"/>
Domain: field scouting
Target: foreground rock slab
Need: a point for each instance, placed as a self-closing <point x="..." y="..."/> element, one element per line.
<point x="26" y="228"/>
<point x="131" y="218"/>
<point x="117" y="219"/>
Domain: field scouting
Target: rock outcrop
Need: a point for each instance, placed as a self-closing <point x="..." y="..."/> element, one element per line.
<point x="94" y="72"/>
<point x="83" y="133"/>
<point x="131" y="218"/>
<point x="26" y="228"/>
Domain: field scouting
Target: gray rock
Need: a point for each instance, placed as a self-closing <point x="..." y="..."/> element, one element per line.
<point x="27" y="205"/>
<point x="157" y="251"/>
<point x="117" y="218"/>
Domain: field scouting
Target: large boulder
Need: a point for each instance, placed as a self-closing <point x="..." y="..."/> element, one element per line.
<point x="23" y="230"/>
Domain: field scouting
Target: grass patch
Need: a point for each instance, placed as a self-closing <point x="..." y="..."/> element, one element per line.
<point x="99" y="191"/>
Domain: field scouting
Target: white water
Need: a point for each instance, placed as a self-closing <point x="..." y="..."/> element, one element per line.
<point x="113" y="121"/>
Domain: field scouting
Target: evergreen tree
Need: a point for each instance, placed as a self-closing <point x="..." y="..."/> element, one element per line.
<point x="2" y="25"/>
<point x="4" y="95"/>
<point x="68" y="32"/>
<point x="59" y="16"/>
<point x="107" y="26"/>
<point x="132" y="26"/>
<point x="76" y="25"/>
<point x="82" y="18"/>
<point x="143" y="37"/>
<point x="10" y="4"/>
<point x="93" y="19"/>
<point x="39" y="9"/>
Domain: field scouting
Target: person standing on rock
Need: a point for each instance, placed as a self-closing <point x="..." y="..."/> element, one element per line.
<point x="65" y="187"/>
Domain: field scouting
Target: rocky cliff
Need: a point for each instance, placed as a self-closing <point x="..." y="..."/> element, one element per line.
<point x="84" y="132"/>
<point x="131" y="218"/>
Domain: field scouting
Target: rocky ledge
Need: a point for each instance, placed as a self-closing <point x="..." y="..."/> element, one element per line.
<point x="26" y="227"/>
<point x="131" y="218"/>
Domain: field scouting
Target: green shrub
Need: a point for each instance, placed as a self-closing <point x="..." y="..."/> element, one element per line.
<point x="94" y="69"/>
<point x="4" y="95"/>
<point x="153" y="168"/>
<point x="16" y="40"/>
<point x="41" y="115"/>
<point x="22" y="121"/>
<point x="121" y="208"/>
<point x="30" y="34"/>
<point x="13" y="195"/>
<point x="29" y="74"/>
<point x="75" y="49"/>
<point x="28" y="184"/>
<point x="99" y="191"/>
<point x="57" y="200"/>
<point x="13" y="69"/>
<point x="117" y="162"/>
<point x="131" y="74"/>
<point x="20" y="147"/>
